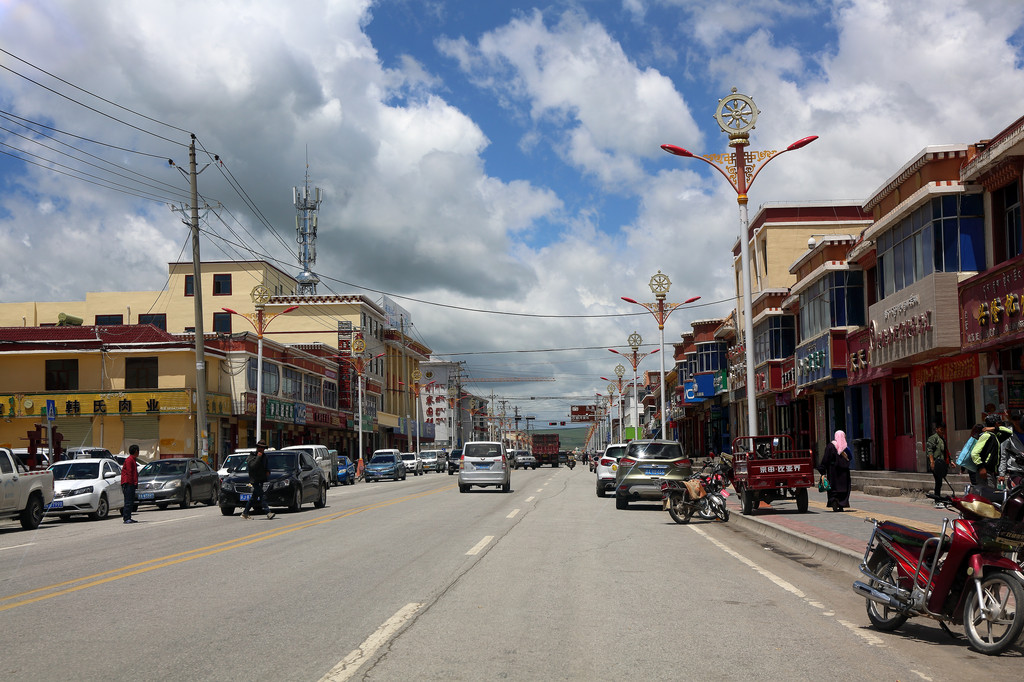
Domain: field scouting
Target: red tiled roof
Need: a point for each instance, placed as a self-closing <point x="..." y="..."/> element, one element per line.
<point x="84" y="337"/>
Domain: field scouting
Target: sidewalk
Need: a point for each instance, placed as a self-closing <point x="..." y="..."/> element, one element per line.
<point x="834" y="538"/>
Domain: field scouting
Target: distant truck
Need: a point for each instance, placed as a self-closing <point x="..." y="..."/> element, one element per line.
<point x="545" y="448"/>
<point x="24" y="494"/>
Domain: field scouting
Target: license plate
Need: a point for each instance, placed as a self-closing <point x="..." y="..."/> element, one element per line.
<point x="146" y="496"/>
<point x="56" y="504"/>
<point x="483" y="466"/>
<point x="244" y="497"/>
<point x="652" y="471"/>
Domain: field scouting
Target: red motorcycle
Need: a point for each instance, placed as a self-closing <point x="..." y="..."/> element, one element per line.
<point x="959" y="575"/>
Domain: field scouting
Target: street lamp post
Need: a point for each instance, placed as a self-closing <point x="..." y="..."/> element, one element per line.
<point x="260" y="321"/>
<point x="416" y="388"/>
<point x="611" y="424"/>
<point x="736" y="115"/>
<point x="634" y="358"/>
<point x="660" y="284"/>
<point x="358" y="362"/>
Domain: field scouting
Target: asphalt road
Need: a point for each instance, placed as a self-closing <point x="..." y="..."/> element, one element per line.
<point x="412" y="580"/>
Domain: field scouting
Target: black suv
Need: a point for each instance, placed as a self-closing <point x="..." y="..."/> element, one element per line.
<point x="293" y="479"/>
<point x="454" y="457"/>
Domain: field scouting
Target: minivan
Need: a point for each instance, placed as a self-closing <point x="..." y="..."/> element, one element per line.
<point x="485" y="463"/>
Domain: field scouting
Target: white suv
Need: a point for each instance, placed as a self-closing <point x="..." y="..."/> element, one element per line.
<point x="413" y="463"/>
<point x="485" y="463"/>
<point x="607" y="465"/>
<point x="433" y="460"/>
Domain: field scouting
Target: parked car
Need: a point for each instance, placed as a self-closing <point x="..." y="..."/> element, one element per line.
<point x="235" y="462"/>
<point x="324" y="458"/>
<point x="346" y="471"/>
<point x="433" y="460"/>
<point x="524" y="459"/>
<point x="485" y="463"/>
<point x="86" y="486"/>
<point x="454" y="461"/>
<point x="24" y="494"/>
<point x="178" y="480"/>
<point x="385" y="464"/>
<point x="606" y="466"/>
<point x="643" y="466"/>
<point x="88" y="453"/>
<point x="293" y="479"/>
<point x="413" y="464"/>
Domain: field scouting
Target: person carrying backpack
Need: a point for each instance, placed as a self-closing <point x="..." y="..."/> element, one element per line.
<point x="985" y="454"/>
<point x="257" y="464"/>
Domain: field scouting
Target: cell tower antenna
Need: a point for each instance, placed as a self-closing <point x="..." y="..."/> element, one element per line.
<point x="307" y="205"/>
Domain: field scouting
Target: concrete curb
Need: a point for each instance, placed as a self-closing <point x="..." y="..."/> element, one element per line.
<point x="814" y="548"/>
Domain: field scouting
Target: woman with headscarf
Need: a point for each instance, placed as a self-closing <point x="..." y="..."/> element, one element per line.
<point x="835" y="466"/>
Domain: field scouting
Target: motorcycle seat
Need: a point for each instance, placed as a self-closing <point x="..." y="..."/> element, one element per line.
<point x="905" y="535"/>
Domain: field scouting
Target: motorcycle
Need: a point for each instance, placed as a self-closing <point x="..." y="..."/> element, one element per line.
<point x="571" y="463"/>
<point x="958" y="575"/>
<point x="715" y="484"/>
<point x="685" y="498"/>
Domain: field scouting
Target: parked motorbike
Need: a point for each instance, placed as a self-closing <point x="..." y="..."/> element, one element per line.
<point x="715" y="484"/>
<point x="700" y="494"/>
<point x="958" y="575"/>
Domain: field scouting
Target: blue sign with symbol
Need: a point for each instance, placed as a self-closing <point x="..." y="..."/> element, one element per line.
<point x="51" y="410"/>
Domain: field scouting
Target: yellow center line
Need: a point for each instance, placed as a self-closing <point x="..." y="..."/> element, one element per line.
<point x="181" y="557"/>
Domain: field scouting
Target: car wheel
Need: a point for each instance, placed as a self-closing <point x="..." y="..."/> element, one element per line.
<point x="32" y="515"/>
<point x="321" y="500"/>
<point x="214" y="496"/>
<point x="296" y="504"/>
<point x="600" y="489"/>
<point x="186" y="499"/>
<point x="506" y="487"/>
<point x="403" y="477"/>
<point x="621" y="502"/>
<point x="227" y="511"/>
<point x="102" y="509"/>
<point x="463" y="488"/>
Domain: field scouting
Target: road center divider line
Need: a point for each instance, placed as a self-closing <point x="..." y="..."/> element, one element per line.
<point x="351" y="663"/>
<point x="181" y="557"/>
<point x="480" y="545"/>
<point x="512" y="514"/>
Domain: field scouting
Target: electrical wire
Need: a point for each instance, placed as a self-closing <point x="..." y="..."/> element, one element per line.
<point x="21" y="120"/>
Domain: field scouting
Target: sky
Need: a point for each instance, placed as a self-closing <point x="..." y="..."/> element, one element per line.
<point x="494" y="167"/>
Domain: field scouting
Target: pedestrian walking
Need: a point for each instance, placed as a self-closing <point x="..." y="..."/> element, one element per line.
<point x="985" y="453"/>
<point x="1011" y="456"/>
<point x="257" y="465"/>
<point x="835" y="467"/>
<point x="938" y="457"/>
<point x="129" y="482"/>
<point x="964" y="461"/>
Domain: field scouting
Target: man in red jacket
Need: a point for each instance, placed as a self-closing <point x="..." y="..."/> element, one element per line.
<point x="129" y="481"/>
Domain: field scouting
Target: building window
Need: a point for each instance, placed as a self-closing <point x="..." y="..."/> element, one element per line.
<point x="222" y="323"/>
<point x="311" y="389"/>
<point x="291" y="385"/>
<point x="710" y="356"/>
<point x="835" y="300"/>
<point x="62" y="375"/>
<point x="964" y="414"/>
<point x="141" y="373"/>
<point x="1006" y="201"/>
<point x="946" y="234"/>
<point x="222" y="285"/>
<point x="331" y="395"/>
<point x="158" y="320"/>
<point x="109" y="319"/>
<point x="190" y="289"/>
<point x="271" y="377"/>
<point x="774" y="338"/>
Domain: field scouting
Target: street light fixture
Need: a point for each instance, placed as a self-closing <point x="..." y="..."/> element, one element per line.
<point x="634" y="358"/>
<point x="660" y="284"/>
<point x="259" y="321"/>
<point x="736" y="115"/>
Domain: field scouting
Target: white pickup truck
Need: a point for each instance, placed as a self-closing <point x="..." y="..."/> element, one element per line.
<point x="24" y="494"/>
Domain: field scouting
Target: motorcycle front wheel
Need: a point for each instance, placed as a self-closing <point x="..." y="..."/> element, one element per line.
<point x="720" y="509"/>
<point x="994" y="625"/>
<point x="882" y="617"/>
<point x="704" y="508"/>
<point x="679" y="510"/>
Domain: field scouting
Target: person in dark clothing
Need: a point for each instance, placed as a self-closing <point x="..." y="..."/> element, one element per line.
<point x="835" y="466"/>
<point x="257" y="465"/>
<point x="129" y="482"/>
<point x="938" y="457"/>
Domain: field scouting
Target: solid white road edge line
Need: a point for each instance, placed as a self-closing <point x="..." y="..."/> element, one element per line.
<point x="27" y="544"/>
<point x="350" y="664"/>
<point x="480" y="545"/>
<point x="512" y="515"/>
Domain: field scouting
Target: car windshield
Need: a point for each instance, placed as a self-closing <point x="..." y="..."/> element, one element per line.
<point x="163" y="469"/>
<point x="408" y="455"/>
<point x="75" y="471"/>
<point x="616" y="451"/>
<point x="656" y="450"/>
<point x="281" y="461"/>
<point x="483" y="450"/>
<point x="236" y="463"/>
<point x="383" y="459"/>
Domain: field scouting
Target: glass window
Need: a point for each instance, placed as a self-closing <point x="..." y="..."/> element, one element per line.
<point x="141" y="373"/>
<point x="222" y="323"/>
<point x="972" y="244"/>
<point x="109" y="319"/>
<point x="291" y="386"/>
<point x="158" y="320"/>
<point x="330" y="394"/>
<point x="61" y="375"/>
<point x="189" y="286"/>
<point x="270" y="377"/>
<point x="311" y="389"/>
<point x="222" y="285"/>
